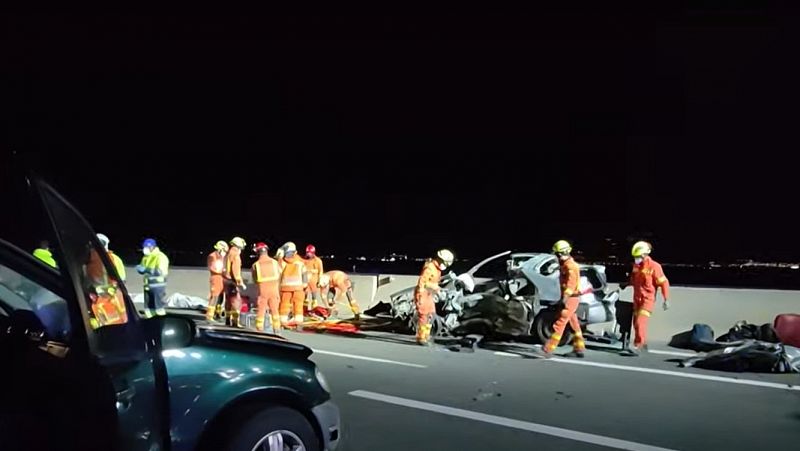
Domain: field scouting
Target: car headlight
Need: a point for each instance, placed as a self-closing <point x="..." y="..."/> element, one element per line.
<point x="322" y="381"/>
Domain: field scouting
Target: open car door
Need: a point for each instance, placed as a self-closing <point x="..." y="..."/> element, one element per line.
<point x="85" y="374"/>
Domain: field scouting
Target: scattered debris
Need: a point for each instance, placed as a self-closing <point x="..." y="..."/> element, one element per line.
<point x="750" y="355"/>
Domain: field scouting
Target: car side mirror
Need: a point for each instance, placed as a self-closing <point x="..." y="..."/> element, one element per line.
<point x="176" y="332"/>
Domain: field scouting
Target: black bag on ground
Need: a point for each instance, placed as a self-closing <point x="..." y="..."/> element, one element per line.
<point x="752" y="356"/>
<point x="703" y="338"/>
<point x="743" y="330"/>
<point x="700" y="339"/>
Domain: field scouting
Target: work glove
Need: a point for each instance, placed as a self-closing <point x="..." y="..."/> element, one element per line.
<point x="665" y="305"/>
<point x="242" y="286"/>
<point x="140" y="269"/>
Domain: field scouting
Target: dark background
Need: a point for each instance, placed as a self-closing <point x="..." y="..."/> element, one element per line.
<point x="370" y="134"/>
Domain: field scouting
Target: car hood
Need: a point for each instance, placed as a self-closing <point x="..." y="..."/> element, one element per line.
<point x="248" y="341"/>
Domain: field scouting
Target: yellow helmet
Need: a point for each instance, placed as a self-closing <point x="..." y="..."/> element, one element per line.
<point x="445" y="256"/>
<point x="562" y="247"/>
<point x="238" y="242"/>
<point x="641" y="248"/>
<point x="221" y="246"/>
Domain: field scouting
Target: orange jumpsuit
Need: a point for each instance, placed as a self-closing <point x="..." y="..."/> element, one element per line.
<point x="292" y="286"/>
<point x="570" y="279"/>
<point x="427" y="285"/>
<point x="646" y="278"/>
<point x="216" y="268"/>
<point x="340" y="282"/>
<point x="314" y="269"/>
<point x="267" y="275"/>
<point x="233" y="279"/>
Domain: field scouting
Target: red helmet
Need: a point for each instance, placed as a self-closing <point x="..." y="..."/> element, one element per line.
<point x="311" y="250"/>
<point x="260" y="248"/>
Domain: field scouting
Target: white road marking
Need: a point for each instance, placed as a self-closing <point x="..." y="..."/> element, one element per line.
<point x="676" y="353"/>
<point x="704" y="377"/>
<point x="509" y="422"/>
<point x="506" y="354"/>
<point x="371" y="359"/>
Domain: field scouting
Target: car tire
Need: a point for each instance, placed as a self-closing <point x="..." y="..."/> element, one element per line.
<point x="275" y="423"/>
<point x="438" y="330"/>
<point x="542" y="327"/>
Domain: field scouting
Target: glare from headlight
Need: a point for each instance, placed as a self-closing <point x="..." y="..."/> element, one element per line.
<point x="322" y="381"/>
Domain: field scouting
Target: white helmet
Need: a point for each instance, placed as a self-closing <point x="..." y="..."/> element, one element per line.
<point x="446" y="257"/>
<point x="324" y="280"/>
<point x="103" y="240"/>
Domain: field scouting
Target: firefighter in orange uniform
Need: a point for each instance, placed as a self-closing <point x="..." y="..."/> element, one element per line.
<point x="340" y="282"/>
<point x="234" y="284"/>
<point x="314" y="269"/>
<point x="646" y="277"/>
<point x="267" y="275"/>
<point x="570" y="297"/>
<point x="294" y="280"/>
<point x="427" y="286"/>
<point x="216" y="269"/>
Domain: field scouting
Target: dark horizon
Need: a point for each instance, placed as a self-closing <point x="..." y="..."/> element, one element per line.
<point x="667" y="126"/>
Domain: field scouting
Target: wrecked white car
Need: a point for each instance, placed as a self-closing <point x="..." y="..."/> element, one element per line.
<point x="508" y="294"/>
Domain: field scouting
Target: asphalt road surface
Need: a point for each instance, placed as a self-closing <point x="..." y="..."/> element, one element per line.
<point x="395" y="395"/>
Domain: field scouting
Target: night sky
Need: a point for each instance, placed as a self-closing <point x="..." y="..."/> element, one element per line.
<point x="479" y="132"/>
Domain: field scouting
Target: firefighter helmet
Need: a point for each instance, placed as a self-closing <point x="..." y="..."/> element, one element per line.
<point x="238" y="242"/>
<point x="221" y="246"/>
<point x="641" y="248"/>
<point x="562" y="247"/>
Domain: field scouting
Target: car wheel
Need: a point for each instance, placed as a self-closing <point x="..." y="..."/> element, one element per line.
<point x="542" y="327"/>
<point x="438" y="329"/>
<point x="275" y="429"/>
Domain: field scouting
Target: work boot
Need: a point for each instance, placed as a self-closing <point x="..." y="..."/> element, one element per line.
<point x="357" y="317"/>
<point x="425" y="343"/>
<point x="541" y="352"/>
<point x="575" y="354"/>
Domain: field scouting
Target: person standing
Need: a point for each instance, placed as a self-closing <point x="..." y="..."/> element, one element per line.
<point x="647" y="276"/>
<point x="314" y="269"/>
<point x="294" y="280"/>
<point x="216" y="269"/>
<point x="427" y="286"/>
<point x="267" y="274"/>
<point x="234" y="284"/>
<point x="155" y="268"/>
<point x="115" y="260"/>
<point x="570" y="298"/>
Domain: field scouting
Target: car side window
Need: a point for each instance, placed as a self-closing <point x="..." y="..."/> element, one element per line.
<point x="493" y="269"/>
<point x="17" y="292"/>
<point x="103" y="290"/>
<point x="549" y="268"/>
<point x="87" y="260"/>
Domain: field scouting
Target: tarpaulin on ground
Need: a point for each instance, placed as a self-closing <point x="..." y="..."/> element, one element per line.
<point x="752" y="356"/>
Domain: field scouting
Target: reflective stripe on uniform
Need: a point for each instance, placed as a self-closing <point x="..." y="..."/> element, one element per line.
<point x="275" y="271"/>
<point x="296" y="279"/>
<point x="643" y="312"/>
<point x="555" y="337"/>
<point x="661" y="280"/>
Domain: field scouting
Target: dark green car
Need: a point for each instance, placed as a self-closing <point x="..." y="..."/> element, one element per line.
<point x="169" y="383"/>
